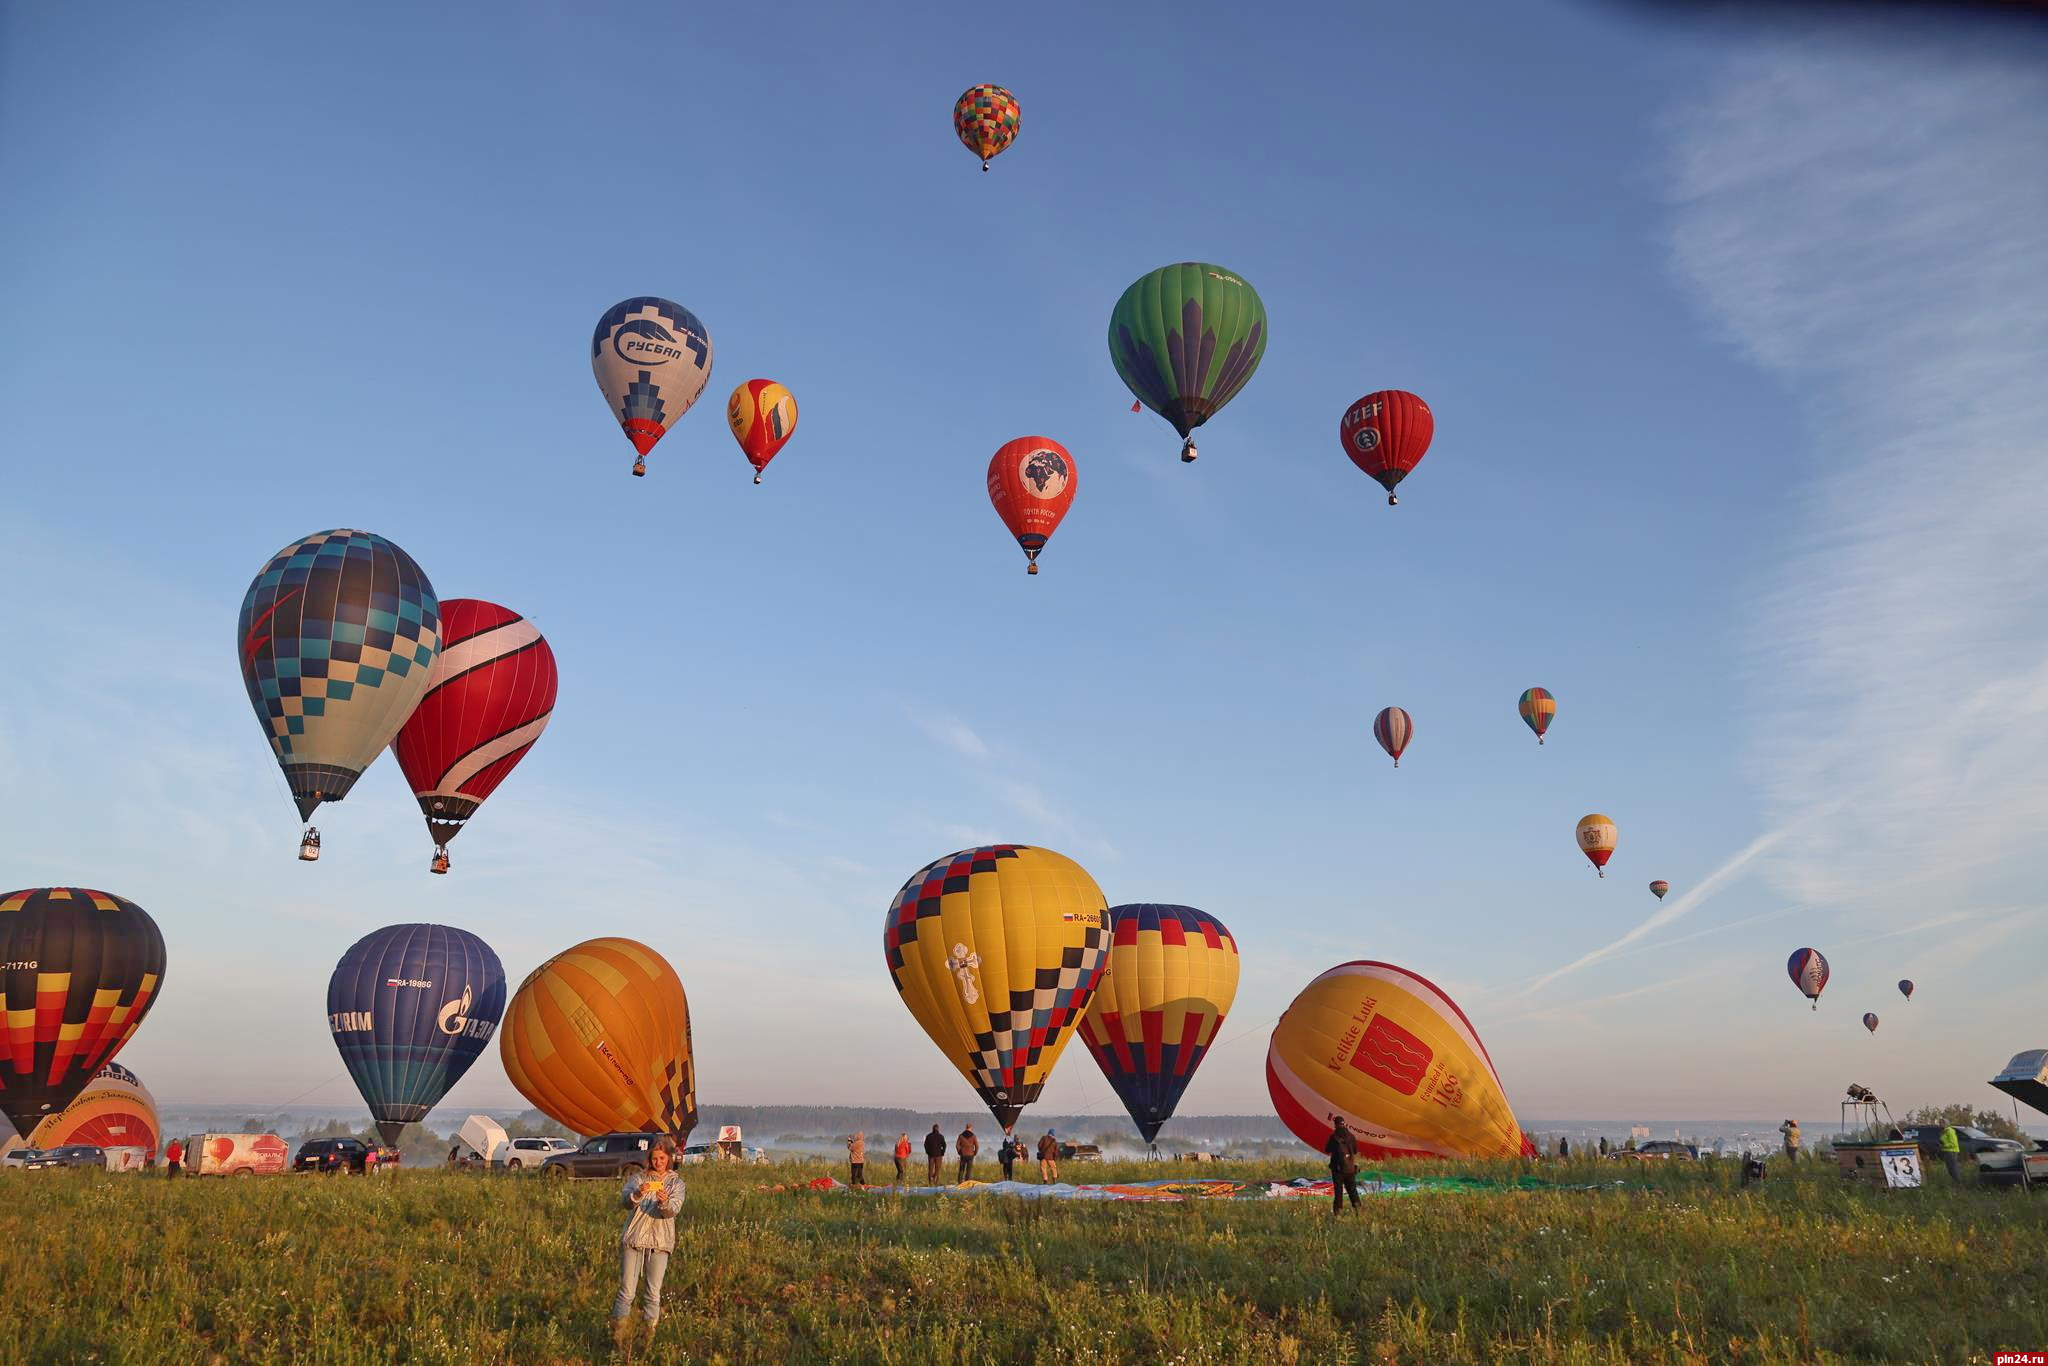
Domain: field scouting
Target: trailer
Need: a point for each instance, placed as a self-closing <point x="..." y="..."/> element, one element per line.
<point x="236" y="1155"/>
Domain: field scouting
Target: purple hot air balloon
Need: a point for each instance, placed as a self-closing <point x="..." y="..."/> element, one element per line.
<point x="1870" y="1021"/>
<point x="1809" y="972"/>
<point x="1906" y="987"/>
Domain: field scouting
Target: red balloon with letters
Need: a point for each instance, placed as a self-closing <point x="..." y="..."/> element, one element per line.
<point x="1386" y="434"/>
<point x="1031" y="483"/>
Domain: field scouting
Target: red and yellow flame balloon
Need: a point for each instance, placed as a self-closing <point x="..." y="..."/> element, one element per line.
<point x="1397" y="1059"/>
<point x="598" y="1038"/>
<point x="986" y="119"/>
<point x="1596" y="840"/>
<point x="762" y="415"/>
<point x="1031" y="483"/>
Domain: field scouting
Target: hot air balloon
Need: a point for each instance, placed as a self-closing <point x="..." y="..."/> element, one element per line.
<point x="1809" y="972"/>
<point x="598" y="1038"/>
<point x="762" y="415"/>
<point x="1386" y="435"/>
<point x="1031" y="483"/>
<point x="1870" y="1021"/>
<point x="986" y="119"/>
<point x="489" y="695"/>
<point x="115" y="1110"/>
<point x="337" y="635"/>
<point x="1537" y="708"/>
<point x="1171" y="977"/>
<point x="996" y="952"/>
<point x="410" y="1008"/>
<point x="1397" y="1059"/>
<point x="1596" y="839"/>
<point x="652" y="359"/>
<point x="1185" y="339"/>
<point x="1659" y="887"/>
<point x="1393" y="728"/>
<point x="78" y="971"/>
<point x="1906" y="988"/>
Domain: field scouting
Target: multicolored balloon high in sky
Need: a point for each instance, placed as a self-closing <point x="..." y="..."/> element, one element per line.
<point x="410" y="1008"/>
<point x="652" y="358"/>
<point x="1171" y="978"/>
<point x="1031" y="484"/>
<point x="1596" y="840"/>
<point x="1870" y="1021"/>
<point x="1537" y="707"/>
<point x="1386" y="434"/>
<point x="1906" y="988"/>
<point x="1397" y="1059"/>
<point x="1659" y="888"/>
<point x="996" y="952"/>
<point x="1809" y="972"/>
<point x="81" y="969"/>
<point x="1393" y="728"/>
<point x="986" y="119"/>
<point x="762" y="415"/>
<point x="337" y="636"/>
<point x="488" y="698"/>
<point x="598" y="1038"/>
<point x="1185" y="339"/>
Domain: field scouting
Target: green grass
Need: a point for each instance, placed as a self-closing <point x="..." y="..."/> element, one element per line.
<point x="442" y="1267"/>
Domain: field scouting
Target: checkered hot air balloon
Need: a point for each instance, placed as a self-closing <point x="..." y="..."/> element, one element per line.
<point x="986" y="119"/>
<point x="78" y="971"/>
<point x="337" y="635"/>
<point x="1171" y="978"/>
<point x="996" y="952"/>
<point x="489" y="696"/>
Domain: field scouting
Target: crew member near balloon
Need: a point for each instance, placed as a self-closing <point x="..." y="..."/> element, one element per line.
<point x="857" y="1158"/>
<point x="934" y="1154"/>
<point x="1049" y="1156"/>
<point x="902" y="1156"/>
<point x="1789" y="1131"/>
<point x="968" y="1146"/>
<point x="1342" y="1148"/>
<point x="174" y="1158"/>
<point x="652" y="1199"/>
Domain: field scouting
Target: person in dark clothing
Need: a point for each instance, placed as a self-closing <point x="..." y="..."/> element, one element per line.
<point x="934" y="1154"/>
<point x="1007" y="1155"/>
<point x="967" y="1145"/>
<point x="1342" y="1147"/>
<point x="1603" y="1145"/>
<point x="1564" y="1147"/>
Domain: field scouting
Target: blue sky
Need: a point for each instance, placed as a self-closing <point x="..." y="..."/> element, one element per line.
<point x="1733" y="336"/>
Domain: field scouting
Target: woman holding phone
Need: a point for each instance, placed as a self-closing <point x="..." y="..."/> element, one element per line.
<point x="652" y="1198"/>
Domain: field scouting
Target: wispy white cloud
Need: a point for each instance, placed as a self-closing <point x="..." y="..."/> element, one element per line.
<point x="1867" y="222"/>
<point x="1003" y="775"/>
<point x="950" y="731"/>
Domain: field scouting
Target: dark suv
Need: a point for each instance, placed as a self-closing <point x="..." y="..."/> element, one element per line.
<point x="605" y="1155"/>
<point x="1974" y="1142"/>
<point x="330" y="1155"/>
<point x="73" y="1155"/>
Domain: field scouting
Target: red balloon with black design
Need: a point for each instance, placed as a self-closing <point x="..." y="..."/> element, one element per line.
<point x="489" y="696"/>
<point x="1031" y="483"/>
<point x="1386" y="434"/>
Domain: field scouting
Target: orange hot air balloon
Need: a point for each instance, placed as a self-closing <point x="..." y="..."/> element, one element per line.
<point x="762" y="415"/>
<point x="1031" y="483"/>
<point x="1596" y="840"/>
<point x="598" y="1038"/>
<point x="1397" y="1059"/>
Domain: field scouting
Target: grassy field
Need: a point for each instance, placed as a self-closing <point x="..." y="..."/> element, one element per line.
<point x="439" y="1267"/>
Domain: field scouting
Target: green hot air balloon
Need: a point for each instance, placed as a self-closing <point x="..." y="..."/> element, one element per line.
<point x="1185" y="339"/>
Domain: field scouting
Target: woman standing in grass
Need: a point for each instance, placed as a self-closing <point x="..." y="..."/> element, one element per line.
<point x="654" y="1197"/>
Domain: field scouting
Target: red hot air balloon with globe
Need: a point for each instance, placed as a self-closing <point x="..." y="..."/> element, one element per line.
<point x="1031" y="483"/>
<point x="1386" y="434"/>
<point x="489" y="695"/>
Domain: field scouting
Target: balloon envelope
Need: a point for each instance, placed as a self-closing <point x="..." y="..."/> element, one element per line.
<point x="1537" y="707"/>
<point x="1393" y="728"/>
<point x="115" y="1110"/>
<point x="652" y="358"/>
<point x="986" y="119"/>
<point x="762" y="415"/>
<point x="1870" y="1021"/>
<point x="489" y="695"/>
<point x="410" y="1008"/>
<point x="337" y="635"/>
<point x="1596" y="840"/>
<point x="1386" y="434"/>
<point x="598" y="1038"/>
<point x="1659" y="888"/>
<point x="1906" y="988"/>
<point x="1397" y="1059"/>
<point x="1031" y="484"/>
<point x="1809" y="972"/>
<point x="996" y="952"/>
<point x="1185" y="339"/>
<point x="1171" y="978"/>
<point x="78" y="971"/>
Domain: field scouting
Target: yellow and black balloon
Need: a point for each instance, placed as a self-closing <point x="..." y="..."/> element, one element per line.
<point x="996" y="951"/>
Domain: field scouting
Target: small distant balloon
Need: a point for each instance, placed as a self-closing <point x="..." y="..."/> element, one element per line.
<point x="1031" y="484"/>
<point x="1659" y="887"/>
<point x="762" y="415"/>
<point x="1906" y="988"/>
<point x="1537" y="707"/>
<point x="1393" y="728"/>
<point x="1870" y="1021"/>
<point x="1809" y="972"/>
<point x="986" y="119"/>
<point x="1596" y="840"/>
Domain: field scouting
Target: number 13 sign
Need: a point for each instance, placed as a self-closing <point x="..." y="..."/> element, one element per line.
<point x="1902" y="1169"/>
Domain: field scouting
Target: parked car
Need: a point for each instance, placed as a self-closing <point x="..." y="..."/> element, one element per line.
<point x="1661" y="1150"/>
<point x="520" y="1153"/>
<point x="70" y="1155"/>
<point x="344" y="1155"/>
<point x="605" y="1155"/>
<point x="18" y="1157"/>
<point x="699" y="1152"/>
<point x="1080" y="1152"/>
<point x="1975" y="1142"/>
